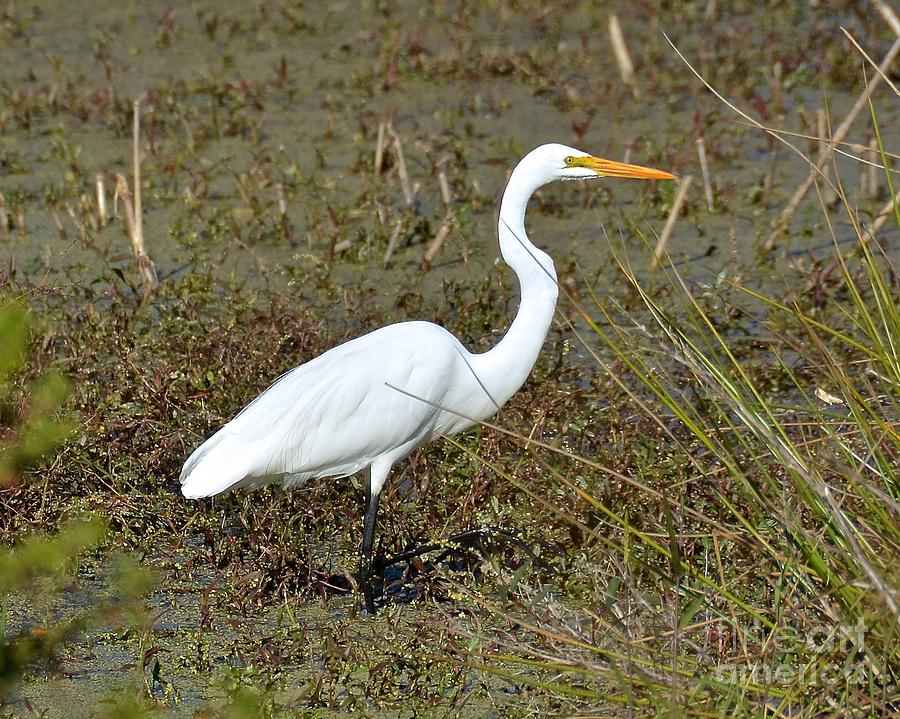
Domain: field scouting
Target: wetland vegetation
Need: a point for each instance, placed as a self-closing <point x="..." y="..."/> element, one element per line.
<point x="700" y="476"/>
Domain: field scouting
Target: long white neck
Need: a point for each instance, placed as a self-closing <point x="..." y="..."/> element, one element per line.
<point x="503" y="369"/>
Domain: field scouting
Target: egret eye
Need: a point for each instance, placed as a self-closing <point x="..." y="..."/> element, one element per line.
<point x="569" y="160"/>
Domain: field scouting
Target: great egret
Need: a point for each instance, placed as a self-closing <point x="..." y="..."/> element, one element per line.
<point x="369" y="402"/>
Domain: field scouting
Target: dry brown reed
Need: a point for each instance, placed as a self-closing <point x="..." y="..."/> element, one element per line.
<point x="623" y="58"/>
<point x="100" y="185"/>
<point x="437" y="242"/>
<point x="840" y="133"/>
<point x="704" y="171"/>
<point x="392" y="243"/>
<point x="664" y="236"/>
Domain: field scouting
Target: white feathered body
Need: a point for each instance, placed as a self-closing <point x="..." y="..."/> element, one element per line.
<point x="375" y="398"/>
<point x="372" y="401"/>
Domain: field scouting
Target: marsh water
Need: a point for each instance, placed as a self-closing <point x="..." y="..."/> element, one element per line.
<point x="237" y="98"/>
<point x="260" y="131"/>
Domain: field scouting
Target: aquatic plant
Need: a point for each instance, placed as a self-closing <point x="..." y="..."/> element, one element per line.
<point x="762" y="575"/>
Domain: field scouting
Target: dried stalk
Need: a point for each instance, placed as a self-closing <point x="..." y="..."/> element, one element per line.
<point x="341" y="246"/>
<point x="437" y="242"/>
<point x="623" y="59"/>
<point x="888" y="15"/>
<point x="829" y="196"/>
<point x="379" y="148"/>
<point x="873" y="179"/>
<point x="100" y="181"/>
<point x="869" y="60"/>
<point x="677" y="203"/>
<point x="401" y="167"/>
<point x="79" y="225"/>
<point x="145" y="265"/>
<point x="134" y="208"/>
<point x="123" y="195"/>
<point x="788" y="212"/>
<point x="54" y="215"/>
<point x="885" y="213"/>
<point x="138" y="238"/>
<point x="87" y="210"/>
<point x="445" y="189"/>
<point x="286" y="228"/>
<point x="279" y="196"/>
<point x="392" y="243"/>
<point x="704" y="171"/>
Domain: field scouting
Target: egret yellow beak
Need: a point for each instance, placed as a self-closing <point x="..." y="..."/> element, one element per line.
<point x="611" y="168"/>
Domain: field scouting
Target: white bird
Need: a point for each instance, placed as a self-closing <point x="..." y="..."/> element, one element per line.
<point x="368" y="403"/>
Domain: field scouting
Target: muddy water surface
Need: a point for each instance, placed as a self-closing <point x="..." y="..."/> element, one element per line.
<point x="239" y="99"/>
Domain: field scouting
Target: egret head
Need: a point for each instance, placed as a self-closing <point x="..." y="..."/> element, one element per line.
<point x="560" y="162"/>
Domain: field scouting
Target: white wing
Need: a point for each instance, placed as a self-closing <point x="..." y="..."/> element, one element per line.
<point x="339" y="412"/>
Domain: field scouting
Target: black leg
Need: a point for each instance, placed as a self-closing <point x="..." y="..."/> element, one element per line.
<point x="365" y="561"/>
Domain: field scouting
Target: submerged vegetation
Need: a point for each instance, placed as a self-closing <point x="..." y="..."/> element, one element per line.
<point x="697" y="488"/>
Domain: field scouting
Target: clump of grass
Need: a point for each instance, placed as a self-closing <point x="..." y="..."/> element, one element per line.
<point x="41" y="565"/>
<point x="763" y="575"/>
<point x="29" y="426"/>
